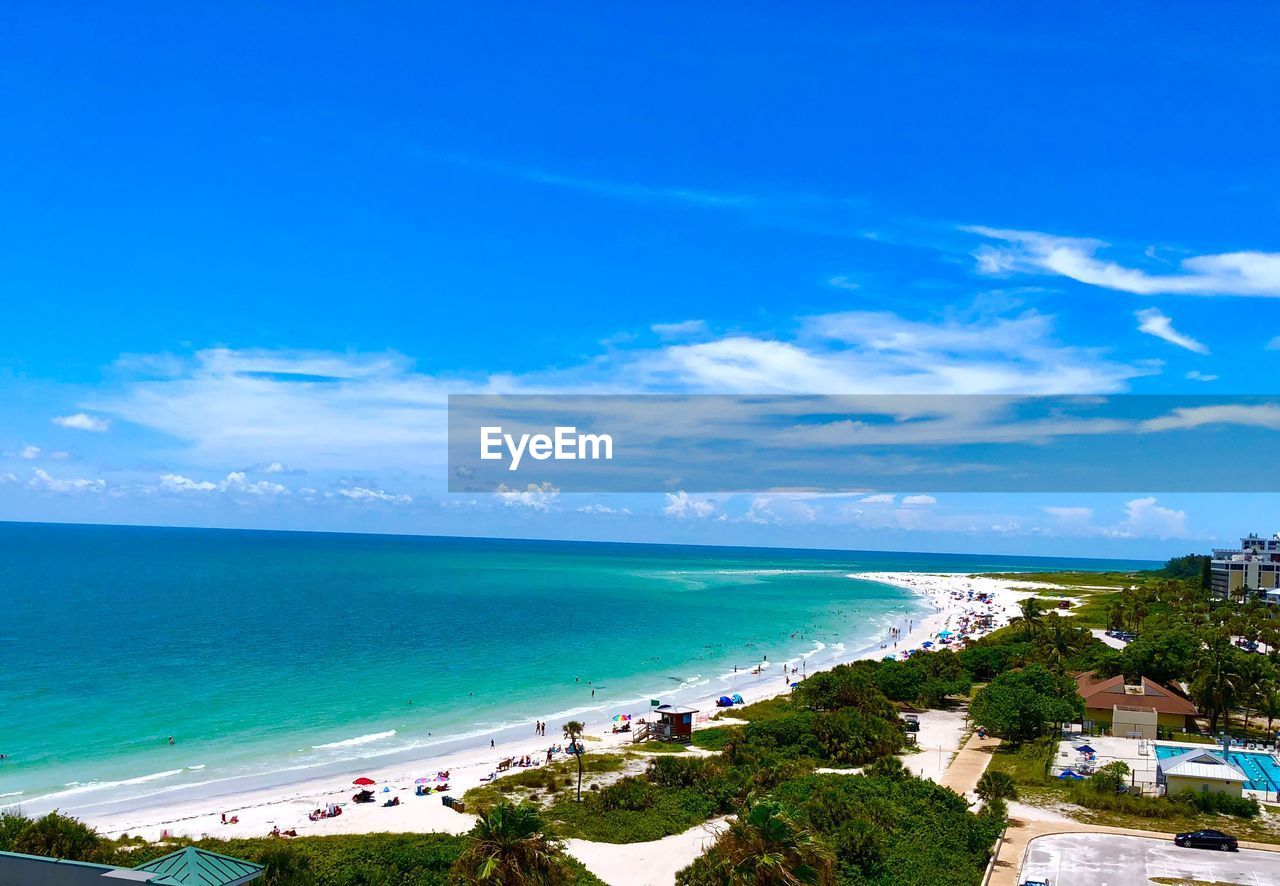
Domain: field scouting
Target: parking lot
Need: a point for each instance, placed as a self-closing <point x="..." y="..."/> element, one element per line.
<point x="1113" y="860"/>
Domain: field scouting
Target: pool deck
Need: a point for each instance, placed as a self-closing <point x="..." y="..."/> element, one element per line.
<point x="1143" y="766"/>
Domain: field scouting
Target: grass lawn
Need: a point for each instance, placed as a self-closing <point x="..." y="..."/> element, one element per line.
<point x="1027" y="763"/>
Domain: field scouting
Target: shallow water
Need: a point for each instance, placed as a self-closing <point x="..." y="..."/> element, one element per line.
<point x="269" y="652"/>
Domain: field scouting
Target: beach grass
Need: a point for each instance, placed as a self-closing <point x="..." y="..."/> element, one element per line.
<point x="768" y="709"/>
<point x="714" y="739"/>
<point x="549" y="780"/>
<point x="661" y="747"/>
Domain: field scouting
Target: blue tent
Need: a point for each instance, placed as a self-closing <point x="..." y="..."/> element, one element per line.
<point x="1073" y="776"/>
<point x="737" y="699"/>
<point x="724" y="701"/>
<point x="1085" y="749"/>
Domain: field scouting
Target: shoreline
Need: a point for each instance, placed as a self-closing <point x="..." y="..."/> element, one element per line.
<point x="286" y="804"/>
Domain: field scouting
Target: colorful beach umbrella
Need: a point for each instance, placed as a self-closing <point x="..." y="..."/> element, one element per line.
<point x="364" y="780"/>
<point x="621" y="718"/>
<point x="422" y="781"/>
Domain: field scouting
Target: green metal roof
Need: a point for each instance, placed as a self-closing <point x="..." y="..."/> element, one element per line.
<point x="198" y="867"/>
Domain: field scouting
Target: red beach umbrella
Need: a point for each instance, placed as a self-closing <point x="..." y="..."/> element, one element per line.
<point x="364" y="780"/>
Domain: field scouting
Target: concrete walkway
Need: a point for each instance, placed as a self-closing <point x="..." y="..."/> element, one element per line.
<point x="969" y="764"/>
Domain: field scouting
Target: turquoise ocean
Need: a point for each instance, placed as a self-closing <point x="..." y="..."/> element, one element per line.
<point x="274" y="656"/>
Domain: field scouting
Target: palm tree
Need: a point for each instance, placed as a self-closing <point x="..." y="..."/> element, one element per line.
<point x="996" y="785"/>
<point x="1215" y="683"/>
<point x="1115" y="615"/>
<point x="1257" y="681"/>
<point x="1061" y="641"/>
<point x="507" y="848"/>
<point x="766" y="847"/>
<point x="1032" y="615"/>
<point x="573" y="734"/>
<point x="1271" y="705"/>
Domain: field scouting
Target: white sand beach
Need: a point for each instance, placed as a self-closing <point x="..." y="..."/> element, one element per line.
<point x="952" y="598"/>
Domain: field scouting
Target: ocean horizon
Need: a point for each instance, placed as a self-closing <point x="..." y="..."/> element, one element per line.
<point x="271" y="655"/>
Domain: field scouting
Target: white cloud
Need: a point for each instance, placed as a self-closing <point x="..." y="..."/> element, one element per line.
<point x="1262" y="415"/>
<point x="360" y="493"/>
<point x="535" y="496"/>
<point x="81" y="421"/>
<point x="919" y="500"/>
<point x="1153" y="322"/>
<point x="1231" y="273"/>
<point x="603" y="509"/>
<point x="179" y="483"/>
<point x="681" y="505"/>
<point x="234" y="482"/>
<point x="238" y="481"/>
<point x="880" y="498"/>
<point x="680" y="330"/>
<point x="1146" y="519"/>
<point x="41" y="480"/>
<point x="275" y="467"/>
<point x="1273" y="344"/>
<point x="777" y="510"/>
<point x="359" y="412"/>
<point x="29" y="452"/>
<point x="843" y="282"/>
<point x="1070" y="515"/>
<point x="1197" y="375"/>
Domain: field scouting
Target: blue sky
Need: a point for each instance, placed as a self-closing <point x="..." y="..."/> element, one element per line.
<point x="247" y="251"/>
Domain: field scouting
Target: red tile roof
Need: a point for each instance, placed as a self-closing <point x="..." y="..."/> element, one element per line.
<point x="1099" y="692"/>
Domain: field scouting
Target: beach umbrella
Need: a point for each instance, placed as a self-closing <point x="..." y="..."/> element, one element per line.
<point x="422" y="781"/>
<point x="364" y="780"/>
<point x="1085" y="749"/>
<point x="944" y="633"/>
<point x="621" y="718"/>
<point x="927" y="643"/>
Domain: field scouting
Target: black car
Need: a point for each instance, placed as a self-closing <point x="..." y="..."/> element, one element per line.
<point x="1207" y="840"/>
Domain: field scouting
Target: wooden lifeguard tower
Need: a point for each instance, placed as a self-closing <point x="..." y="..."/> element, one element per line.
<point x="674" y="723"/>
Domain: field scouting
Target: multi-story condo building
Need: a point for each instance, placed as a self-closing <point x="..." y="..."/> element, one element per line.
<point x="1255" y="565"/>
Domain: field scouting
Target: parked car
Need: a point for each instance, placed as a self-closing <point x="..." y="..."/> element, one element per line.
<point x="1207" y="840"/>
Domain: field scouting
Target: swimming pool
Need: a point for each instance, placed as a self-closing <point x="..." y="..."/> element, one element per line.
<point x="1261" y="769"/>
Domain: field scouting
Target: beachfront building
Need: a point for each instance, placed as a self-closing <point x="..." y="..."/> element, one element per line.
<point x="1134" y="711"/>
<point x="1200" y="771"/>
<point x="186" y="867"/>
<point x="1255" y="565"/>
<point x="675" y="723"/>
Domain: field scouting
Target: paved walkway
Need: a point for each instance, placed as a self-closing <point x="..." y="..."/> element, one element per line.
<point x="1021" y="832"/>
<point x="969" y="764"/>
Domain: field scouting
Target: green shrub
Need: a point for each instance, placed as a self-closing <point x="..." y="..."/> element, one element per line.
<point x="1213" y="803"/>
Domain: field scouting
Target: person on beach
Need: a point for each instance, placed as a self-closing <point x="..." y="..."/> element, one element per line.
<point x="491" y="742"/>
